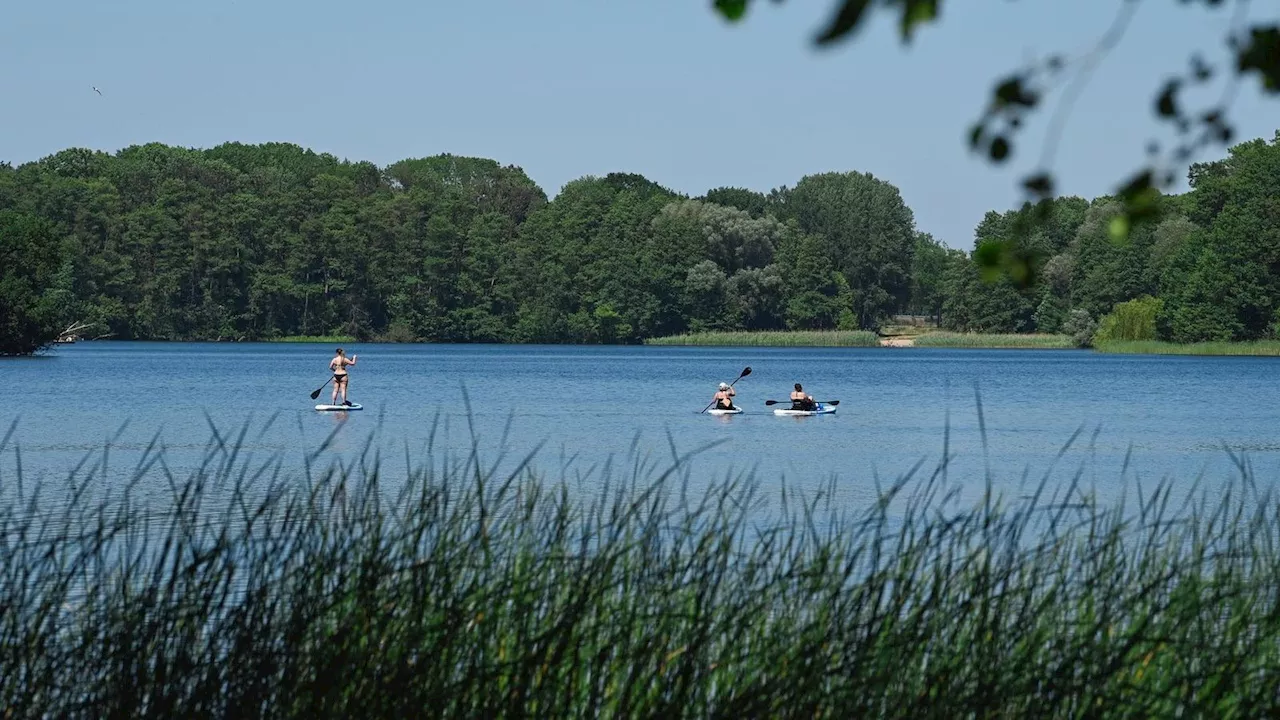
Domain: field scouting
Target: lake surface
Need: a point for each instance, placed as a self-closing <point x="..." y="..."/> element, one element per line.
<point x="584" y="405"/>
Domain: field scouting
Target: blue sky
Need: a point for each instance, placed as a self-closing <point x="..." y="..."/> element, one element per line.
<point x="566" y="88"/>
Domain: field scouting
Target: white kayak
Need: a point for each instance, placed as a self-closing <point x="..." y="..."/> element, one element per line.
<point x="337" y="408"/>
<point x="821" y="409"/>
<point x="719" y="411"/>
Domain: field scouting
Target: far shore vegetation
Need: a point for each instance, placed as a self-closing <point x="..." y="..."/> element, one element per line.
<point x="994" y="340"/>
<point x="328" y="339"/>
<point x="774" y="338"/>
<point x="975" y="341"/>
<point x="927" y="339"/>
<point x="1270" y="348"/>
<point x="861" y="338"/>
<point x="255" y="242"/>
<point x="855" y="338"/>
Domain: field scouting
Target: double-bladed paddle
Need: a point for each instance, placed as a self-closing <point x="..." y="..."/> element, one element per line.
<point x="818" y="402"/>
<point x="745" y="372"/>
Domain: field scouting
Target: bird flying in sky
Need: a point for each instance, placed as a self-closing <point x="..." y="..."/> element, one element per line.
<point x="95" y="89"/>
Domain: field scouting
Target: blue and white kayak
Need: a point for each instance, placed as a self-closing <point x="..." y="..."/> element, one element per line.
<point x="721" y="411"/>
<point x="820" y="409"/>
<point x="340" y="408"/>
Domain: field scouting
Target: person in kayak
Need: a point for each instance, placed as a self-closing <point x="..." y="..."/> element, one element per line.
<point x="800" y="400"/>
<point x="724" y="397"/>
<point x="339" y="365"/>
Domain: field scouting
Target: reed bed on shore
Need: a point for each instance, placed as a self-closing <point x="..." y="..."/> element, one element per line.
<point x="780" y="338"/>
<point x="1268" y="348"/>
<point x="330" y="589"/>
<point x="981" y="340"/>
<point x="326" y="339"/>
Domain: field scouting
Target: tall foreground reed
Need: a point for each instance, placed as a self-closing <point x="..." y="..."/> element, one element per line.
<point x="334" y="590"/>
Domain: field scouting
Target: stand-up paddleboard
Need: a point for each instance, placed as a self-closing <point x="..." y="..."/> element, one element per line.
<point x="820" y="409"/>
<point x="338" y="408"/>
<point x="720" y="411"/>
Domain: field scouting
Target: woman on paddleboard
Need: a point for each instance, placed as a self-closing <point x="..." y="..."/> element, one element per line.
<point x="800" y="400"/>
<point x="339" y="365"/>
<point x="724" y="397"/>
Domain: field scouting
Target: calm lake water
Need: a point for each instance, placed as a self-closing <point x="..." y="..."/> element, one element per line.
<point x="1178" y="416"/>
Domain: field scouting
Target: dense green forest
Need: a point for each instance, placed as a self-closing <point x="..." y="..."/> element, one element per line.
<point x="243" y="242"/>
<point x="1205" y="267"/>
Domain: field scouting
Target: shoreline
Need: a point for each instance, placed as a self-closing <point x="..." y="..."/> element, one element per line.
<point x="866" y="338"/>
<point x="836" y="339"/>
<point x="897" y="342"/>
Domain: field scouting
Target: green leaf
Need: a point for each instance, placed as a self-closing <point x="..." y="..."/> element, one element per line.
<point x="999" y="149"/>
<point x="1040" y="184"/>
<point x="1139" y="196"/>
<point x="846" y="21"/>
<point x="1140" y="190"/>
<point x="1119" y="228"/>
<point x="915" y="13"/>
<point x="989" y="253"/>
<point x="976" y="134"/>
<point x="1262" y="54"/>
<point x="1200" y="70"/>
<point x="1012" y="92"/>
<point x="1167" y="102"/>
<point x="1019" y="270"/>
<point x="732" y="10"/>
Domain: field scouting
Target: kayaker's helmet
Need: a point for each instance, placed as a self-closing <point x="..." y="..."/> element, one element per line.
<point x="724" y="386"/>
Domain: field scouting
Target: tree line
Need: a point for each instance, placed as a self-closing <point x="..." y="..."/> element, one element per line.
<point x="249" y="242"/>
<point x="254" y="242"/>
<point x="1205" y="265"/>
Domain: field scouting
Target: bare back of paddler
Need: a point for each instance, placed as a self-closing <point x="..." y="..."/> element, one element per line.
<point x="800" y="400"/>
<point x="724" y="397"/>
<point x="339" y="365"/>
